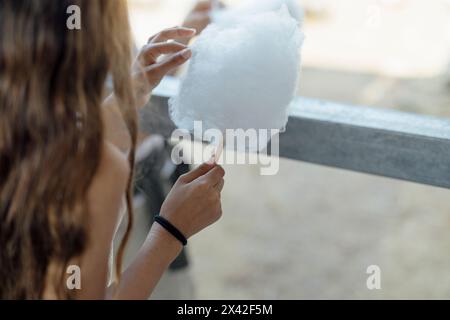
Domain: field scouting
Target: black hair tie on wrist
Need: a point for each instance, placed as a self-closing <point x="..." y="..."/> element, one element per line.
<point x="171" y="229"/>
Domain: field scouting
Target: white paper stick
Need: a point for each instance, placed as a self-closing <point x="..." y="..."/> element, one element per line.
<point x="219" y="150"/>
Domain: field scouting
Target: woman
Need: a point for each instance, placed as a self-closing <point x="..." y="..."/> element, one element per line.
<point x="63" y="177"/>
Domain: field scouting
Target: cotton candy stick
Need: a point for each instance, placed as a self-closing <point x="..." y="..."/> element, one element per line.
<point x="219" y="150"/>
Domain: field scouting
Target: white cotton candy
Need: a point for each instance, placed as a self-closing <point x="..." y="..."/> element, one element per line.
<point x="243" y="74"/>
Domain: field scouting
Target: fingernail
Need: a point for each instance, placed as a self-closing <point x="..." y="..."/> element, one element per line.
<point x="192" y="30"/>
<point x="186" y="53"/>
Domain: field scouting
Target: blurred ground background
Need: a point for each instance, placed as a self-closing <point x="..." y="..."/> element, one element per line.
<point x="311" y="231"/>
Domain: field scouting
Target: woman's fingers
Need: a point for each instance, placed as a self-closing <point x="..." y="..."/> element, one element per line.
<point x="197" y="172"/>
<point x="158" y="70"/>
<point x="153" y="51"/>
<point x="219" y="186"/>
<point x="204" y="5"/>
<point x="214" y="176"/>
<point x="172" y="33"/>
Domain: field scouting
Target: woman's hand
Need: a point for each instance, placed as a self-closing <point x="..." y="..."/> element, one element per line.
<point x="160" y="56"/>
<point x="194" y="202"/>
<point x="192" y="205"/>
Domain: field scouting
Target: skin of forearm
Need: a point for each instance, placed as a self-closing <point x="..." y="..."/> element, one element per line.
<point x="141" y="277"/>
<point x="160" y="248"/>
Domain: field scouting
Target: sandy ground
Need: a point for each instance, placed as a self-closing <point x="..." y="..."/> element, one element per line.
<point x="311" y="231"/>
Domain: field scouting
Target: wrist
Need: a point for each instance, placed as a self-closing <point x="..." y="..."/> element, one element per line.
<point x="162" y="239"/>
<point x="174" y="231"/>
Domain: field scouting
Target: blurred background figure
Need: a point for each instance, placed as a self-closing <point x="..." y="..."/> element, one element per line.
<point x="303" y="233"/>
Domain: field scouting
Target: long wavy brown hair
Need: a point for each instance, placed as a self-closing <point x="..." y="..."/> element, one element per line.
<point x="52" y="83"/>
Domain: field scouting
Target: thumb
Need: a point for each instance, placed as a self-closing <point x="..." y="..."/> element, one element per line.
<point x="197" y="172"/>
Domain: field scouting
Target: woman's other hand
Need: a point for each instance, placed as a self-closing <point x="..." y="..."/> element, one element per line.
<point x="194" y="202"/>
<point x="160" y="56"/>
<point x="199" y="17"/>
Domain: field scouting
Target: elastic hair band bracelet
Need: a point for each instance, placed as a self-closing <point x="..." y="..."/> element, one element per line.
<point x="171" y="229"/>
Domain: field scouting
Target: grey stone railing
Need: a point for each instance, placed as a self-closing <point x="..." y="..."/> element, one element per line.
<point x="371" y="140"/>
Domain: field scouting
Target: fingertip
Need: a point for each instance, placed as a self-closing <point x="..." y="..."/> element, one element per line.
<point x="208" y="165"/>
<point x="186" y="53"/>
<point x="220" y="171"/>
<point x="188" y="31"/>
